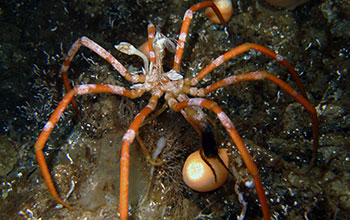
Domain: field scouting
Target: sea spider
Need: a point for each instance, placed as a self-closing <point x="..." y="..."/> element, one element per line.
<point x="176" y="91"/>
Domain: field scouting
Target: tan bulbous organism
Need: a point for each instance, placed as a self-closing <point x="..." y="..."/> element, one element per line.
<point x="198" y="175"/>
<point x="225" y="8"/>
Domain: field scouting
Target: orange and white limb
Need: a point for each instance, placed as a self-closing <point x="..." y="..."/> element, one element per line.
<point x="84" y="41"/>
<point x="239" y="50"/>
<point x="226" y="122"/>
<point x="128" y="138"/>
<point x="185" y="26"/>
<point x="261" y="75"/>
<point x="78" y="90"/>
<point x="151" y="30"/>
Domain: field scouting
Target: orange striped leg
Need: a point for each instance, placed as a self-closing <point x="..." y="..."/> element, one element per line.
<point x="261" y="75"/>
<point x="63" y="72"/>
<point x="128" y="138"/>
<point x="212" y="5"/>
<point x="40" y="143"/>
<point x="239" y="50"/>
<point x="226" y="122"/>
<point x="151" y="32"/>
<point x="185" y="26"/>
<point x="102" y="53"/>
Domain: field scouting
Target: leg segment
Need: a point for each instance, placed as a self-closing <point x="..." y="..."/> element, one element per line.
<point x="40" y="143"/>
<point x="153" y="161"/>
<point x="102" y="53"/>
<point x="84" y="41"/>
<point x="226" y="122"/>
<point x="128" y="138"/>
<point x="239" y="50"/>
<point x="151" y="32"/>
<point x="261" y="75"/>
<point x="185" y="26"/>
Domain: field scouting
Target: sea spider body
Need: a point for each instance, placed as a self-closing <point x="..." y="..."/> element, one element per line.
<point x="176" y="91"/>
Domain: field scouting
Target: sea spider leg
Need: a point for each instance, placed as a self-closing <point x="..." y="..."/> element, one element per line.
<point x="151" y="30"/>
<point x="226" y="122"/>
<point x="77" y="90"/>
<point x="84" y="41"/>
<point x="185" y="26"/>
<point x="241" y="49"/>
<point x="128" y="138"/>
<point x="261" y="75"/>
